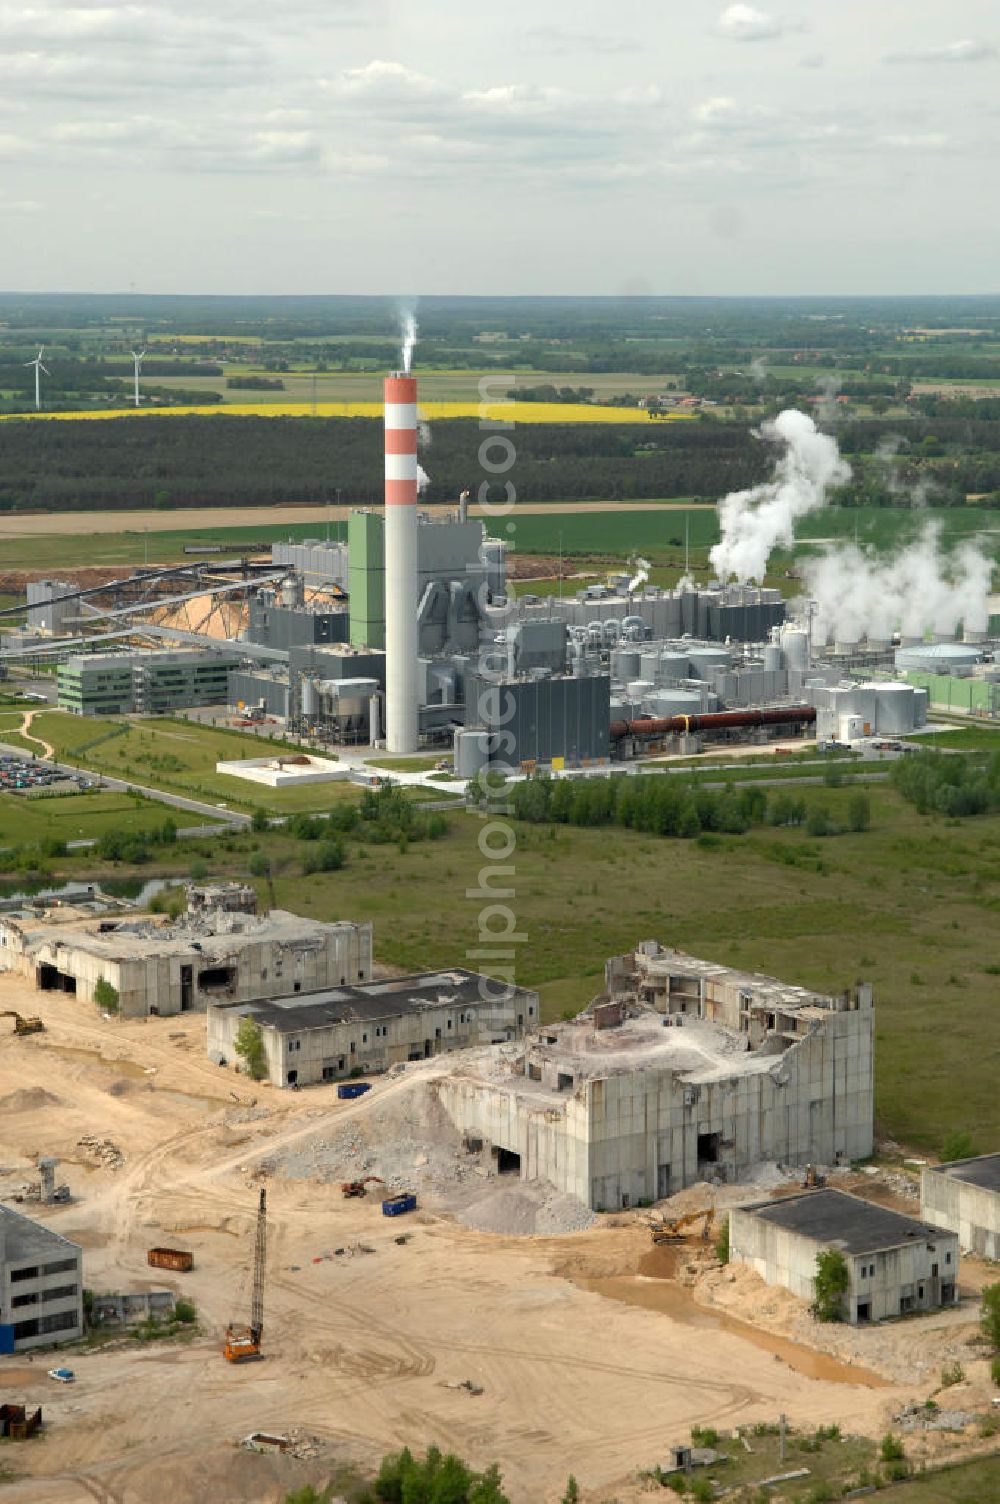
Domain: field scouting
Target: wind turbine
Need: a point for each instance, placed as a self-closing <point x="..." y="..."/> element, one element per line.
<point x="138" y="356"/>
<point x="37" y="363"/>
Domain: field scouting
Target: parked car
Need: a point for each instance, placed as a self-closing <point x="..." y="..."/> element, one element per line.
<point x="62" y="1375"/>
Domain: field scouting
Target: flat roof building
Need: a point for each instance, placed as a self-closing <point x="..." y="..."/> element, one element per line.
<point x="964" y="1196"/>
<point x="897" y="1265"/>
<point x="685" y="1071"/>
<point x="41" y="1284"/>
<point x="361" y="1028"/>
<point x="147" y="683"/>
<point x="181" y="966"/>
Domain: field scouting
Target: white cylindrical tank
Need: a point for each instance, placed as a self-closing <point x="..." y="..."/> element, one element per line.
<point x="637" y="688"/>
<point x="673" y="666"/>
<point x="308" y="697"/>
<point x="895" y="708"/>
<point x="401" y="707"/>
<point x="625" y="664"/>
<point x="472" y="752"/>
<point x="772" y="658"/>
<point x="795" y="644"/>
<point x="649" y="665"/>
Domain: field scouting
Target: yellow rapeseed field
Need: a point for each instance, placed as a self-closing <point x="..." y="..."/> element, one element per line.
<point x="433" y="412"/>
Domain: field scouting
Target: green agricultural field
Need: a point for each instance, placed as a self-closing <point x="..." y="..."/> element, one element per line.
<point x="912" y="905"/>
<point x="445" y="385"/>
<point x="77" y="817"/>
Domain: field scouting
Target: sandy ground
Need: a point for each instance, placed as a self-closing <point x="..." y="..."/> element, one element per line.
<point x="361" y="1348"/>
<point x="75" y="523"/>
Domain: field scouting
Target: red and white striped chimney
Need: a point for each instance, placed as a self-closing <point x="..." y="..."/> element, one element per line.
<point x="402" y="727"/>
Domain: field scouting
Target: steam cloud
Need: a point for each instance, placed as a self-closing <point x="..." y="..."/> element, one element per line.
<point x="408" y="332"/>
<point x="857" y="593"/>
<point x="641" y="567"/>
<point x="753" y="522"/>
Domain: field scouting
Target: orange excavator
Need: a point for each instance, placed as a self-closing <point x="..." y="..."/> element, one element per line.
<point x="243" y="1343"/>
<point x="351" y="1188"/>
<point x="674" y="1232"/>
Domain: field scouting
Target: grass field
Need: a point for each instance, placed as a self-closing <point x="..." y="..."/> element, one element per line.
<point x="180" y="756"/>
<point x="968" y="739"/>
<point x="74" y="817"/>
<point x="969" y="1483"/>
<point x="446" y="385"/>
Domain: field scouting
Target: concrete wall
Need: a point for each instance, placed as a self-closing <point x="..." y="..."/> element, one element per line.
<point x="331" y="1053"/>
<point x="156" y="984"/>
<point x="551" y="1138"/>
<point x="883" y="1281"/>
<point x="970" y="1211"/>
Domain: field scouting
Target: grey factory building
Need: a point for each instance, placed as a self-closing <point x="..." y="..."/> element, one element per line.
<point x="684" y="1071"/>
<point x="354" y="1029"/>
<point x="41" y="1284"/>
<point x="964" y="1196"/>
<point x="183" y="965"/>
<point x="145" y="683"/>
<point x="897" y="1265"/>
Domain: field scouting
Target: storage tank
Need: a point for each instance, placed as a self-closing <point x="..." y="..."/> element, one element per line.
<point x="703" y="660"/>
<point x="649" y="666"/>
<point x="920" y="699"/>
<point x="895" y="708"/>
<point x="639" y="688"/>
<point x="625" y="664"/>
<point x="673" y="666"/>
<point x="308" y="697"/>
<point x="772" y="659"/>
<point x="676" y="702"/>
<point x="472" y="752"/>
<point x="795" y="645"/>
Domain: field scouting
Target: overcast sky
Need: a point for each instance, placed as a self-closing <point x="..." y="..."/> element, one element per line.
<point x="529" y="146"/>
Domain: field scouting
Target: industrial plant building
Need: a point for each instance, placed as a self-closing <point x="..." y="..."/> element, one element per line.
<point x="897" y="1265"/>
<point x="41" y="1285"/>
<point x="964" y="1197"/>
<point x="684" y="1071"/>
<point x="355" y="1029"/>
<point x="143" y="683"/>
<point x="211" y="953"/>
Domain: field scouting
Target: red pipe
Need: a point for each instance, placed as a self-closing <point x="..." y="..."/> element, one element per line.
<point x="716" y="720"/>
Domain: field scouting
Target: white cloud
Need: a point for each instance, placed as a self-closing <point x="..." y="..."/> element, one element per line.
<point x="929" y="141"/>
<point x="965" y="51"/>
<point x="554" y="41"/>
<point x="742" y="23"/>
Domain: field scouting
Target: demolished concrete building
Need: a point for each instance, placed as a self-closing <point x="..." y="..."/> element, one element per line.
<point x="685" y="1071"/>
<point x="208" y="955"/>
<point x="963" y="1195"/>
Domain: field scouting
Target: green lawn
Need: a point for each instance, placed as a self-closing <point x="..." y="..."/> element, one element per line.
<point x="73" y="817"/>
<point x="180" y="756"/>
<point x="967" y="739"/>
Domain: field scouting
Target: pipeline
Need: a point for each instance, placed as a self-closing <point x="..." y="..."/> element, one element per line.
<point x="715" y="720"/>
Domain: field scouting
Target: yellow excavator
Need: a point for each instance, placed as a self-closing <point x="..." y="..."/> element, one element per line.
<point x="23" y="1025"/>
<point x="674" y="1232"/>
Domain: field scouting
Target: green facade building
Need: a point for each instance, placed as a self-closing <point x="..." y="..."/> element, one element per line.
<point x="102" y="684"/>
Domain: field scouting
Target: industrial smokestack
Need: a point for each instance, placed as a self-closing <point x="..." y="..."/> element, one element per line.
<point x="401" y="720"/>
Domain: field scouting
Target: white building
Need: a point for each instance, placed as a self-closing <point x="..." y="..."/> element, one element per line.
<point x="362" y="1028"/>
<point x="964" y="1196"/>
<point x="689" y="1071"/>
<point x="41" y="1284"/>
<point x="896" y="1265"/>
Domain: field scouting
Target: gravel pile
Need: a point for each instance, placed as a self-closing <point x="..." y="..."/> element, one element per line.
<point x="411" y="1143"/>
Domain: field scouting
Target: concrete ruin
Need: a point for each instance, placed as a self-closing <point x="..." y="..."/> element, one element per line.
<point x="896" y="1264"/>
<point x="964" y="1196"/>
<point x="216" y="951"/>
<point x="357" y="1029"/>
<point x="685" y="1071"/>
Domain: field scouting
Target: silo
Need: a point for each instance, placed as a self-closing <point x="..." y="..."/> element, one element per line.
<point x="795" y="644"/>
<point x="895" y="709"/>
<point x="472" y="752"/>
<point x="308" y="697"/>
<point x="625" y="664"/>
<point x="673" y="666"/>
<point x="703" y="660"/>
<point x="649" y="666"/>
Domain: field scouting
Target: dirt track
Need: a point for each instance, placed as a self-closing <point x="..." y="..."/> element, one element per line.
<point x="360" y="1350"/>
<point x="75" y="524"/>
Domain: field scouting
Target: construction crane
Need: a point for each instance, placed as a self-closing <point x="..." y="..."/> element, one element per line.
<point x="243" y="1344"/>
<point x="23" y="1025"/>
<point x="352" y="1188"/>
<point x="673" y="1232"/>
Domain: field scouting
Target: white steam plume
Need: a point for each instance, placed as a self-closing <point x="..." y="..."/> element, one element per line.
<point x="423" y="479"/>
<point x="753" y="522"/>
<point x="919" y="590"/>
<point x="408" y="334"/>
<point x="641" y="567"/>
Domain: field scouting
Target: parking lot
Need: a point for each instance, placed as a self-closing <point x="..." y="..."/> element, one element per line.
<point x="22" y="775"/>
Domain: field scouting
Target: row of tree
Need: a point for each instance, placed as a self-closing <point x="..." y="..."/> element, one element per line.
<point x="943" y="783"/>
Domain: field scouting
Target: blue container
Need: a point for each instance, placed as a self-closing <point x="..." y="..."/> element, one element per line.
<point x="349" y="1089"/>
<point x="395" y="1206"/>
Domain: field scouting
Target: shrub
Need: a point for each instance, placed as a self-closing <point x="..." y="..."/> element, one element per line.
<point x="891" y="1448"/>
<point x="859" y="812"/>
<point x="989" y="1316"/>
<point x="954" y="1374"/>
<point x="830" y="1285"/>
<point x="704" y="1436"/>
<point x="258" y="865"/>
<point x="185" y="1312"/>
<point x="722" y="1243"/>
<point x="995" y="1371"/>
<point x="106" y="995"/>
<point x="702" y="1490"/>
<point x="957" y="1145"/>
<point x="250" y="1047"/>
<point x="197" y="872"/>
